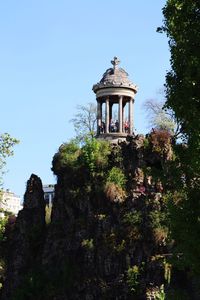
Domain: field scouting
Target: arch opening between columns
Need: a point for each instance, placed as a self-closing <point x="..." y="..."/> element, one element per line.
<point x="115" y="115"/>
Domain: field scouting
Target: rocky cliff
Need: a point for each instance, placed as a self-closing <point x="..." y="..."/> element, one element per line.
<point x="25" y="238"/>
<point x="108" y="233"/>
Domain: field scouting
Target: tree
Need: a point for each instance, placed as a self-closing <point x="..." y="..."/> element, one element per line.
<point x="161" y="118"/>
<point x="85" y="121"/>
<point x="6" y="150"/>
<point x="182" y="26"/>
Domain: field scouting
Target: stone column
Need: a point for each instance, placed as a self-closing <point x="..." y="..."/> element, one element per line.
<point x="123" y="106"/>
<point x="120" y="113"/>
<point x="131" y="115"/>
<point x="99" y="115"/>
<point x="107" y="115"/>
<point x="110" y="110"/>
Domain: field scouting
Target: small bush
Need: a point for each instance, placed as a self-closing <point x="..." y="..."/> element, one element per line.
<point x="101" y="217"/>
<point x="66" y="156"/>
<point x="87" y="244"/>
<point x="117" y="177"/>
<point x="3" y="222"/>
<point x="160" y="293"/>
<point x="158" y="218"/>
<point x="121" y="246"/>
<point x="146" y="143"/>
<point x="68" y="153"/>
<point x="132" y="278"/>
<point x="94" y="155"/>
<point x="132" y="218"/>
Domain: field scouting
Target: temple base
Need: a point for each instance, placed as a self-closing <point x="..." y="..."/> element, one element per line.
<point x="114" y="137"/>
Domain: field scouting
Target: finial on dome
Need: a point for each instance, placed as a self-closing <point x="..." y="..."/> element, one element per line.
<point x="115" y="62"/>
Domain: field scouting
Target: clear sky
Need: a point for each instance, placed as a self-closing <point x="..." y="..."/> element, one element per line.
<point x="51" y="54"/>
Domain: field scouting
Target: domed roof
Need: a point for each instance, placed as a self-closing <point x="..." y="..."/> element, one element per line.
<point x="115" y="77"/>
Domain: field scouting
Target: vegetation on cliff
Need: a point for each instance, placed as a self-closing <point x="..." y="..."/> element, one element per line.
<point x="110" y="231"/>
<point x="108" y="235"/>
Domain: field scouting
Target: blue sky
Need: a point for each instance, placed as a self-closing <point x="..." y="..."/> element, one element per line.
<point x="51" y="54"/>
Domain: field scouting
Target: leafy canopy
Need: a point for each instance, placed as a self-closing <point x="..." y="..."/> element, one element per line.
<point x="6" y="150"/>
<point x="84" y="121"/>
<point x="94" y="154"/>
<point x="159" y="117"/>
<point x="182" y="27"/>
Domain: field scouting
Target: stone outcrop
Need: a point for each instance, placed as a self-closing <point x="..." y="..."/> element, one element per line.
<point x="94" y="248"/>
<point x="25" y="239"/>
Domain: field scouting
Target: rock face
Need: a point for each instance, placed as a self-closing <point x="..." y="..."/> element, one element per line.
<point x="25" y="240"/>
<point x="96" y="247"/>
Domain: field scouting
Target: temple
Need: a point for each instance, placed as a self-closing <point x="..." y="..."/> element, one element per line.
<point x="115" y="98"/>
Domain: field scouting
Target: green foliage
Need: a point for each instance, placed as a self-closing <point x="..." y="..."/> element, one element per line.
<point x="133" y="278"/>
<point x="158" y="218"/>
<point x="117" y="177"/>
<point x="6" y="145"/>
<point x="113" y="243"/>
<point x="101" y="217"/>
<point x="115" y="184"/>
<point x="94" y="155"/>
<point x="182" y="26"/>
<point x="120" y="246"/>
<point x="132" y="218"/>
<point x="6" y="149"/>
<point x="3" y="222"/>
<point x="116" y="157"/>
<point x="68" y="154"/>
<point x="184" y="207"/>
<point x="146" y="143"/>
<point x="160" y="293"/>
<point x="159" y="225"/>
<point x="80" y="164"/>
<point x="88" y="244"/>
